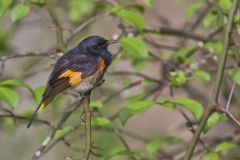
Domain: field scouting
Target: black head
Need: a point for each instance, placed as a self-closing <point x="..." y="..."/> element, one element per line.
<point x="95" y="44"/>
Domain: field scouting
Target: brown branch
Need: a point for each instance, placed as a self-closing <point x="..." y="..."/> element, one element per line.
<point x="120" y="73"/>
<point x="175" y="32"/>
<point x="52" y="144"/>
<point x="88" y="132"/>
<point x="29" y="54"/>
<point x="25" y="118"/>
<point x="42" y="149"/>
<point x="134" y="84"/>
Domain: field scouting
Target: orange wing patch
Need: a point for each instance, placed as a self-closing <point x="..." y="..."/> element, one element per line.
<point x="75" y="77"/>
<point x="68" y="73"/>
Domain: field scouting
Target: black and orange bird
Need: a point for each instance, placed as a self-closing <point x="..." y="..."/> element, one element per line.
<point x="82" y="67"/>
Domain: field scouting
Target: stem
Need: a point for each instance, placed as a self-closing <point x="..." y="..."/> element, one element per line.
<point x="88" y="134"/>
<point x="218" y="83"/>
<point x="58" y="25"/>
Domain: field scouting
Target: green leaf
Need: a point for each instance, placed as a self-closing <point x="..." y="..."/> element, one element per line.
<point x="224" y="146"/>
<point x="155" y="145"/>
<point x="9" y="96"/>
<point x="38" y="93"/>
<point x="38" y="2"/>
<point x="181" y="54"/>
<point x="8" y="125"/>
<point x="212" y="156"/>
<point x="96" y="104"/>
<point x="4" y="39"/>
<point x="79" y="9"/>
<point x="167" y="103"/>
<point x="61" y="132"/>
<point x="133" y="107"/>
<point x="101" y="121"/>
<point x="125" y="114"/>
<point x="27" y="113"/>
<point x="129" y="16"/>
<point x="135" y="47"/>
<point x="215" y="47"/>
<point x="202" y="75"/>
<point x="19" y="11"/>
<point x="213" y="119"/>
<point x="177" y="78"/>
<point x="126" y="82"/>
<point x="210" y="19"/>
<point x="14" y="82"/>
<point x="138" y="65"/>
<point x="135" y="97"/>
<point x="193" y="8"/>
<point x="149" y="2"/>
<point x="225" y="5"/>
<point x="4" y="5"/>
<point x="234" y="73"/>
<point x="140" y="8"/>
<point x="192" y="105"/>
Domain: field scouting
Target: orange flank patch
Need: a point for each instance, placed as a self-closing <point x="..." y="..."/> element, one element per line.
<point x="100" y="69"/>
<point x="101" y="65"/>
<point x="75" y="77"/>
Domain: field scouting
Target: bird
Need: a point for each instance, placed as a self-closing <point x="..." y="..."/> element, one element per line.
<point x="82" y="68"/>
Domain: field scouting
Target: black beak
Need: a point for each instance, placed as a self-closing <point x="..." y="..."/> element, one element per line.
<point x="111" y="41"/>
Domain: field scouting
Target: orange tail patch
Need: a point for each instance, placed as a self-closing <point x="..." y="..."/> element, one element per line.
<point x="40" y="107"/>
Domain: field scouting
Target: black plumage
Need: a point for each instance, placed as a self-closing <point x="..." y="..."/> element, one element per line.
<point x="82" y="66"/>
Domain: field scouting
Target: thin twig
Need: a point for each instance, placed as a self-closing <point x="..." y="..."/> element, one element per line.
<point x="82" y="26"/>
<point x="56" y="21"/>
<point x="175" y="32"/>
<point x="119" y="73"/>
<point x="41" y="150"/>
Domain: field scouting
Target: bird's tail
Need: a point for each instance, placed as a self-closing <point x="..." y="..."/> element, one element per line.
<point x="40" y="107"/>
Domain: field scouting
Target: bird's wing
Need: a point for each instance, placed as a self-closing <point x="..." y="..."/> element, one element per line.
<point x="68" y="72"/>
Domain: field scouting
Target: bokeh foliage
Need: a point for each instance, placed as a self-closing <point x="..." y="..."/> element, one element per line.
<point x="193" y="61"/>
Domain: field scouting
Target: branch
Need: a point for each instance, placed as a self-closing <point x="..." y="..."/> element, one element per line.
<point x="218" y="83"/>
<point x="88" y="134"/>
<point x="29" y="54"/>
<point x="58" y="25"/>
<point x="175" y="32"/>
<point x="25" y="118"/>
<point x="82" y="26"/>
<point x="120" y="73"/>
<point x="43" y="148"/>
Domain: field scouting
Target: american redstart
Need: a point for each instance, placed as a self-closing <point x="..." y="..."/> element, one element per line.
<point x="82" y="67"/>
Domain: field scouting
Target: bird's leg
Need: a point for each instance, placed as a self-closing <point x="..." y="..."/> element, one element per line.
<point x="82" y="118"/>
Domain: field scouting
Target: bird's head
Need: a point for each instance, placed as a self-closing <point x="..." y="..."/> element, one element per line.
<point x="95" y="44"/>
